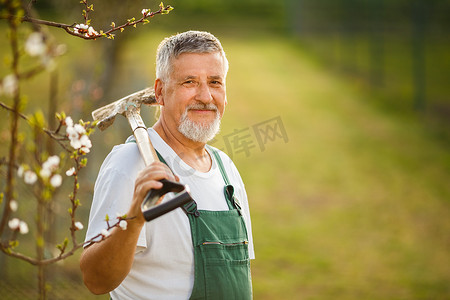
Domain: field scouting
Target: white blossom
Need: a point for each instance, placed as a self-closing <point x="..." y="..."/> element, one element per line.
<point x="85" y="141"/>
<point x="20" y="171"/>
<point x="56" y="180"/>
<point x="70" y="172"/>
<point x="35" y="44"/>
<point x="23" y="227"/>
<point x="92" y="31"/>
<point x="69" y="121"/>
<point x="49" y="166"/>
<point x="60" y="50"/>
<point x="85" y="149"/>
<point x="54" y="160"/>
<point x="29" y="177"/>
<point x="13" y="205"/>
<point x="75" y="143"/>
<point x="10" y="84"/>
<point x="14" y="223"/>
<point x="79" y="129"/>
<point x="45" y="173"/>
<point x="72" y="133"/>
<point x="78" y="137"/>
<point x="78" y="225"/>
<point x="80" y="28"/>
<point x="105" y="233"/>
<point x="123" y="224"/>
<point x="145" y="11"/>
<point x="51" y="163"/>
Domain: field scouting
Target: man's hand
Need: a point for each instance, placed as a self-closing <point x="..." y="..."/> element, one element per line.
<point x="146" y="180"/>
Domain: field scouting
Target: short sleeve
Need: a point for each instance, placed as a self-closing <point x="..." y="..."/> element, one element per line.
<point x="113" y="191"/>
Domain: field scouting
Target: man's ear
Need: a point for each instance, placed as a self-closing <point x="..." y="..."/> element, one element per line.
<point x="159" y="95"/>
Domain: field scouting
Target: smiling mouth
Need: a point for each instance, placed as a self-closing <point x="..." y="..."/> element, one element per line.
<point x="202" y="111"/>
<point x="202" y="108"/>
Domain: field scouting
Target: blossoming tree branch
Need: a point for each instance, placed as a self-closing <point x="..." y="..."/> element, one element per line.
<point x="28" y="162"/>
<point x="85" y="31"/>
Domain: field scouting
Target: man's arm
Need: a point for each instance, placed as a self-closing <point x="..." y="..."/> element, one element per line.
<point x="106" y="264"/>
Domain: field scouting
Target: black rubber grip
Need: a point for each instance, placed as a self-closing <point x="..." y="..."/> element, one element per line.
<point x="151" y="210"/>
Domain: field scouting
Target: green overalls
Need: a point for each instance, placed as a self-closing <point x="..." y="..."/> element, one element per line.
<point x="222" y="264"/>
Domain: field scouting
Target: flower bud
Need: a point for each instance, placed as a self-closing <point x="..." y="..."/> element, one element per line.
<point x="23" y="227"/>
<point x="29" y="177"/>
<point x="105" y="233"/>
<point x="56" y="180"/>
<point x="78" y="225"/>
<point x="123" y="224"/>
<point x="14" y="223"/>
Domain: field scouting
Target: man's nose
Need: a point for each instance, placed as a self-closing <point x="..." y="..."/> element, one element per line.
<point x="204" y="93"/>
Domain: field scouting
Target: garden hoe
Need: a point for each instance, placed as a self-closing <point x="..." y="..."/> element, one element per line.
<point x="129" y="106"/>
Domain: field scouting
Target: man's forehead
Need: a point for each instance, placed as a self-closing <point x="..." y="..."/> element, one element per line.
<point x="192" y="64"/>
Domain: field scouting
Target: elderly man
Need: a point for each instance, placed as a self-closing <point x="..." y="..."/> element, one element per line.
<point x="203" y="251"/>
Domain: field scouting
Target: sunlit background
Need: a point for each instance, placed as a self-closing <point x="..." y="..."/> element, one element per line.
<point x="338" y="120"/>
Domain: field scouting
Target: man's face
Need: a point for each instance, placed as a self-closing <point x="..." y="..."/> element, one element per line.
<point x="195" y="93"/>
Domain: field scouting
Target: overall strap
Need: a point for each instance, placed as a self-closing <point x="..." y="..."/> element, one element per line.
<point x="220" y="164"/>
<point x="161" y="159"/>
<point x="229" y="189"/>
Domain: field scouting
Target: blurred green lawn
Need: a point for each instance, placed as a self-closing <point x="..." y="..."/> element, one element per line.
<point x="355" y="205"/>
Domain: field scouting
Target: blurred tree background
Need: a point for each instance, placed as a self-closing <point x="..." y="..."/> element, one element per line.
<point x="338" y="121"/>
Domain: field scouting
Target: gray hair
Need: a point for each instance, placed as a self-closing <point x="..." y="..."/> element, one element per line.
<point x="186" y="42"/>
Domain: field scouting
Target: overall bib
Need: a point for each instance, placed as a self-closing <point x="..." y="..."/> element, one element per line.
<point x="221" y="259"/>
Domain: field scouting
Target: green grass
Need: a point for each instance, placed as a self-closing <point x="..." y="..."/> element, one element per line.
<point x="352" y="55"/>
<point x="354" y="206"/>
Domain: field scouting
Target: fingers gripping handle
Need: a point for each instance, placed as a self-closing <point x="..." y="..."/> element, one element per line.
<point x="150" y="207"/>
<point x="152" y="210"/>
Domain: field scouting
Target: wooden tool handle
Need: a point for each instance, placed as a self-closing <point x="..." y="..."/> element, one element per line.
<point x="145" y="146"/>
<point x="143" y="142"/>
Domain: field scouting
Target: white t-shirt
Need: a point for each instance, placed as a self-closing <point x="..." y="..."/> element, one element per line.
<point x="163" y="266"/>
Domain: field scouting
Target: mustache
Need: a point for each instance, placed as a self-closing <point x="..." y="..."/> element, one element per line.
<point x="202" y="106"/>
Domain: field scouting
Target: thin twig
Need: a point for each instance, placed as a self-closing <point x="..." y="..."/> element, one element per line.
<point x="53" y="134"/>
<point x="70" y="28"/>
<point x="12" y="110"/>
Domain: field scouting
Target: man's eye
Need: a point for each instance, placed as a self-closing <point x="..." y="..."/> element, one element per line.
<point x="216" y="82"/>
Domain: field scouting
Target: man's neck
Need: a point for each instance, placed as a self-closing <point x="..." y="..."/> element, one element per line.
<point x="192" y="153"/>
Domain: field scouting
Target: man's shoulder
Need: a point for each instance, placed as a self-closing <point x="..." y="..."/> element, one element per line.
<point x="123" y="157"/>
<point x="128" y="150"/>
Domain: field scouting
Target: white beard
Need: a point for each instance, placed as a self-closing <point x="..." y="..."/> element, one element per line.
<point x="199" y="132"/>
